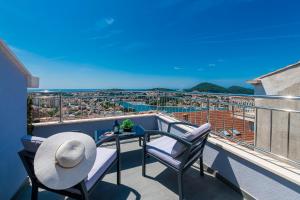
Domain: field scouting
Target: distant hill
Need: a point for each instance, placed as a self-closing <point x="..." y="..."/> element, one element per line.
<point x="240" y="90"/>
<point x="214" y="88"/>
<point x="208" y="87"/>
<point x="162" y="89"/>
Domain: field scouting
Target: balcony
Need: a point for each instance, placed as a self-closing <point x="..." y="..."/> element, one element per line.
<point x="236" y="167"/>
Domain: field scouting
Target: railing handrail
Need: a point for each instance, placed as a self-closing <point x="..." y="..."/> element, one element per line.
<point x="289" y="97"/>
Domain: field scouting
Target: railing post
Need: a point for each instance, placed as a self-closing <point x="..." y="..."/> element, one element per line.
<point x="201" y="114"/>
<point x="233" y="121"/>
<point x="255" y="127"/>
<point x="60" y="108"/>
<point x="288" y="135"/>
<point x="39" y="115"/>
<point x="81" y="111"/>
<point x="244" y="125"/>
<point x="207" y="117"/>
<point x="157" y="102"/>
<point x="223" y="117"/>
<point x="271" y="131"/>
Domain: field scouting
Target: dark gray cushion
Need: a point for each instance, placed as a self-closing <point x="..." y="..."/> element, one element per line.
<point x="167" y="145"/>
<point x="197" y="132"/>
<point x="105" y="157"/>
<point x="32" y="143"/>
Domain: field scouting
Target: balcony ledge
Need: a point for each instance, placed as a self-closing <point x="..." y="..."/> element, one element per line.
<point x="77" y="121"/>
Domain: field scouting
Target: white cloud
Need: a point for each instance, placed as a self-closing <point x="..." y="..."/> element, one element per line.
<point x="211" y="65"/>
<point x="109" y="20"/>
<point x="105" y="22"/>
<point x="178" y="68"/>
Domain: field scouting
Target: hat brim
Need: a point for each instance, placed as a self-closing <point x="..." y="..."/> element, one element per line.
<point x="56" y="177"/>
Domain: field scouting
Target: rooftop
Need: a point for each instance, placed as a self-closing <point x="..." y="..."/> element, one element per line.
<point x="258" y="79"/>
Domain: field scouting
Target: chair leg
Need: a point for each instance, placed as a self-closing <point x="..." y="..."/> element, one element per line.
<point x="34" y="192"/>
<point x="144" y="164"/>
<point x="140" y="141"/>
<point x="201" y="166"/>
<point x="180" y="188"/>
<point x="85" y="198"/>
<point x="118" y="172"/>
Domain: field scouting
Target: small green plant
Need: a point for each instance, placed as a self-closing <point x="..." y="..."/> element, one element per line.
<point x="127" y="125"/>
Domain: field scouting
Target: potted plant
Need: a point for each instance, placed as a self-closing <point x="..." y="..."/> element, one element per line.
<point x="127" y="125"/>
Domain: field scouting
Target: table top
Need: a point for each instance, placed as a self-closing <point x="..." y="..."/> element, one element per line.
<point x="137" y="131"/>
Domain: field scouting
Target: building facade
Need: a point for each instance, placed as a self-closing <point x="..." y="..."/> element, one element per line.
<point x="278" y="129"/>
<point x="14" y="80"/>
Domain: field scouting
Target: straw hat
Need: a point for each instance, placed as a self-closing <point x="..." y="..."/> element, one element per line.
<point x="64" y="159"/>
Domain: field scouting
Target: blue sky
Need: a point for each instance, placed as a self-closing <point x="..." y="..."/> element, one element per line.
<point x="157" y="43"/>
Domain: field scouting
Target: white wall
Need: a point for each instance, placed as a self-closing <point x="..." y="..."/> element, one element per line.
<point x="13" y="94"/>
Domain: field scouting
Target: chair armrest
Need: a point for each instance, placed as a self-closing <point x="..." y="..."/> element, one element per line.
<point x="183" y="123"/>
<point x="109" y="138"/>
<point x="176" y="137"/>
<point x="104" y="139"/>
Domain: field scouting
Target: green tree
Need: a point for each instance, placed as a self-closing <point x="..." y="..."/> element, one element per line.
<point x="30" y="126"/>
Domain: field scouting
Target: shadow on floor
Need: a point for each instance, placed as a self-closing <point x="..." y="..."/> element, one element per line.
<point x="195" y="186"/>
<point x="114" y="192"/>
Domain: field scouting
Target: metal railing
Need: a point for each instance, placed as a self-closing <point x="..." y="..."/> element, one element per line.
<point x="249" y="120"/>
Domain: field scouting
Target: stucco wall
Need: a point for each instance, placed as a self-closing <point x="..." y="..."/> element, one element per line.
<point x="13" y="126"/>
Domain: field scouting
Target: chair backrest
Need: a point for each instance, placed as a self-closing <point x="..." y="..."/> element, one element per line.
<point x="32" y="143"/>
<point x="197" y="132"/>
<point x="198" y="145"/>
<point x="197" y="148"/>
